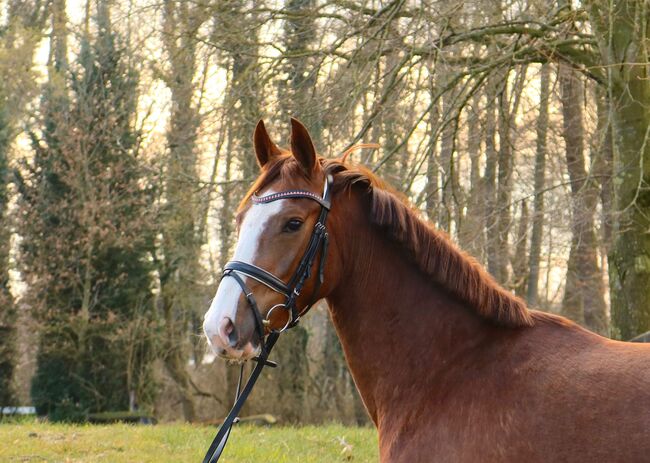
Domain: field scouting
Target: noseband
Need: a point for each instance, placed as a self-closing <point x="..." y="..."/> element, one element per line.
<point x="291" y="290"/>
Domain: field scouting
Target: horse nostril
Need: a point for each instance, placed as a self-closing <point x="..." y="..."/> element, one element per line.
<point x="233" y="337"/>
<point x="228" y="332"/>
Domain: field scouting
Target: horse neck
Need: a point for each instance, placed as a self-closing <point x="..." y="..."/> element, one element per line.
<point x="399" y="331"/>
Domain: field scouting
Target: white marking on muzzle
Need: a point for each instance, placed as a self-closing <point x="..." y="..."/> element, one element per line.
<point x="226" y="300"/>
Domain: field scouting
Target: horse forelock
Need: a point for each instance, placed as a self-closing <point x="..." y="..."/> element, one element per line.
<point x="431" y="250"/>
<point x="283" y="167"/>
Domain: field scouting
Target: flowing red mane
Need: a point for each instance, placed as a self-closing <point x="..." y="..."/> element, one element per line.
<point x="431" y="250"/>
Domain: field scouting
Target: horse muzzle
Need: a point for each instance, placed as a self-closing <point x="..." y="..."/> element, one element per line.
<point x="227" y="344"/>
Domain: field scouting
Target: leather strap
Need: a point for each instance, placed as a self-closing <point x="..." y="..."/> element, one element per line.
<point x="220" y="440"/>
<point x="258" y="274"/>
<point x="259" y="320"/>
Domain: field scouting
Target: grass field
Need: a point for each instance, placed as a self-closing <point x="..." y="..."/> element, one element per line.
<point x="36" y="442"/>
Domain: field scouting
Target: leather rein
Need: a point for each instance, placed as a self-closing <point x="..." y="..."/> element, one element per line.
<point x="318" y="244"/>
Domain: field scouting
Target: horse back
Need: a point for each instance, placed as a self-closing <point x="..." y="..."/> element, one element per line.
<point x="553" y="392"/>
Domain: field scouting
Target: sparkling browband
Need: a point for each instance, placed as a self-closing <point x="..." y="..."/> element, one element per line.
<point x="283" y="195"/>
<point x="294" y="194"/>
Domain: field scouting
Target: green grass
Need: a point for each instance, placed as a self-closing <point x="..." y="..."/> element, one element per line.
<point x="121" y="443"/>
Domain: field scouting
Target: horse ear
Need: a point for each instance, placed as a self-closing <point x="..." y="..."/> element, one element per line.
<point x="265" y="149"/>
<point x="302" y="147"/>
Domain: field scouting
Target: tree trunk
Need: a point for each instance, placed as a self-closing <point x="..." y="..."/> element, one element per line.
<point x="621" y="30"/>
<point x="504" y="189"/>
<point x="603" y="156"/>
<point x="244" y="98"/>
<point x="7" y="308"/>
<point x="447" y="173"/>
<point x="490" y="179"/>
<point x="300" y="33"/>
<point x="519" y="264"/>
<point x="540" y="181"/>
<point x="471" y="233"/>
<point x="180" y="275"/>
<point x="432" y="195"/>
<point x="584" y="296"/>
<point x="390" y="119"/>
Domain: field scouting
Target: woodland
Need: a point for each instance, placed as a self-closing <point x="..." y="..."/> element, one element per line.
<point x="521" y="128"/>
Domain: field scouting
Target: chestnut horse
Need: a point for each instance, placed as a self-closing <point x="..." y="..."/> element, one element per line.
<point x="450" y="366"/>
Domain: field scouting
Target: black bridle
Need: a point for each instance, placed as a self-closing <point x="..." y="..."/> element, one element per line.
<point x="318" y="243"/>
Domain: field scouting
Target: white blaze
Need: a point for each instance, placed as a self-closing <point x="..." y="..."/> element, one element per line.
<point x="225" y="301"/>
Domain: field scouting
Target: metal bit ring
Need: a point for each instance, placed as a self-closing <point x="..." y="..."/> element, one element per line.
<point x="267" y="320"/>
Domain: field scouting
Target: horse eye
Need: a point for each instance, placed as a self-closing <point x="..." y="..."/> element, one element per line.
<point x="292" y="225"/>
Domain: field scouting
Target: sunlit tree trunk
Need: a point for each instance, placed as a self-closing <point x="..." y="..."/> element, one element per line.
<point x="532" y="293"/>
<point x="504" y="188"/>
<point x="298" y="94"/>
<point x="471" y="235"/>
<point x="390" y="120"/>
<point x="519" y="263"/>
<point x="448" y="174"/>
<point x="584" y="298"/>
<point x="602" y="155"/>
<point x="181" y="272"/>
<point x="432" y="199"/>
<point x="490" y="178"/>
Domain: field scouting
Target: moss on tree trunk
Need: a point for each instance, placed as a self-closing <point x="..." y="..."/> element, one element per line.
<point x="622" y="34"/>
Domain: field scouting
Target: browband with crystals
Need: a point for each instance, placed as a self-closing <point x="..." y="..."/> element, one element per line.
<point x="292" y="194"/>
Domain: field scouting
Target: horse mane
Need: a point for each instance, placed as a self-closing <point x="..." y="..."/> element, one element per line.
<point x="431" y="250"/>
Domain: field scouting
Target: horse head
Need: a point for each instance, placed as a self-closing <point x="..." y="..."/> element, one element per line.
<point x="282" y="260"/>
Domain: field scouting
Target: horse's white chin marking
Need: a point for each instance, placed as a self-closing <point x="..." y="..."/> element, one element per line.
<point x="226" y="300"/>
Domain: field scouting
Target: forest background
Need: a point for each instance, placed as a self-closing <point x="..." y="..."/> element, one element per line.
<point x="519" y="127"/>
